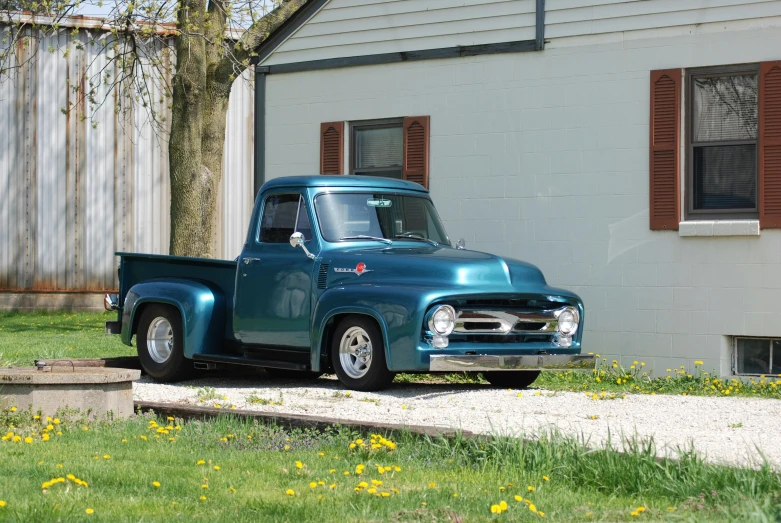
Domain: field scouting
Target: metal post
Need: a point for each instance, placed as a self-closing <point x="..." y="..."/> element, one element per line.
<point x="260" y="127"/>
<point x="540" y="30"/>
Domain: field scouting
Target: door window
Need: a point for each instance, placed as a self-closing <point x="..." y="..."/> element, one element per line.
<point x="284" y="214"/>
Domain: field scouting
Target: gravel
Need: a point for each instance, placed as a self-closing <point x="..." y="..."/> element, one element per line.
<point x="723" y="430"/>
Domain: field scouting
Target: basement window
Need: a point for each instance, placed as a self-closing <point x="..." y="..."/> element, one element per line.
<point x="756" y="356"/>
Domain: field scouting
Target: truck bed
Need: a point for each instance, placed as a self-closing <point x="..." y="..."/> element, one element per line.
<point x="136" y="268"/>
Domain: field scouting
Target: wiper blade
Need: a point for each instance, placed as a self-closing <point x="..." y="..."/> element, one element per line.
<point x="427" y="240"/>
<point x="364" y="237"/>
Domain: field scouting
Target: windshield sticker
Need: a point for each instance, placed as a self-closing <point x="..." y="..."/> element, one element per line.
<point x="359" y="269"/>
<point x="379" y="203"/>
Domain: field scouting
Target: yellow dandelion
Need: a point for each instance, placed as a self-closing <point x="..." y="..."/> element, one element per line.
<point x="106" y="456"/>
<point x="89" y="511"/>
<point x="496" y="509"/>
<point x="432" y="485"/>
<point x="2" y="503"/>
<point x="290" y="492"/>
<point x="216" y="467"/>
<point x="156" y="484"/>
<point x="203" y="498"/>
<point x="313" y="484"/>
<point x="530" y="488"/>
<point x="299" y="465"/>
<point x="28" y="439"/>
<point x="518" y="498"/>
<point x="545" y="478"/>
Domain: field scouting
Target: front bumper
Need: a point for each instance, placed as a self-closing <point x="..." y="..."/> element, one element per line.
<point x="483" y="362"/>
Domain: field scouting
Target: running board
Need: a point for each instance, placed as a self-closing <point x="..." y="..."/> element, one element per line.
<point x="251" y="362"/>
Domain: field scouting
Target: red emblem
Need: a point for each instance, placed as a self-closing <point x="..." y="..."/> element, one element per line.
<point x="360" y="268"/>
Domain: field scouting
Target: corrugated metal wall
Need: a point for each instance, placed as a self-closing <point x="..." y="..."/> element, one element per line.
<point x="72" y="194"/>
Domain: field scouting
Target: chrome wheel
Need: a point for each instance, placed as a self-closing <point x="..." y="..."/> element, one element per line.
<point x="160" y="339"/>
<point x="355" y="352"/>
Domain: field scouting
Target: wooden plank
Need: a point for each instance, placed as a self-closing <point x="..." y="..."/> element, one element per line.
<point x="295" y="420"/>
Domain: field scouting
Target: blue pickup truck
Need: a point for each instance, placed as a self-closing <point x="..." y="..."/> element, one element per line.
<point x="351" y="275"/>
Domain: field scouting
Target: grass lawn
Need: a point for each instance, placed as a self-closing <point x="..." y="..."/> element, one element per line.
<point x="232" y="470"/>
<point x="25" y="337"/>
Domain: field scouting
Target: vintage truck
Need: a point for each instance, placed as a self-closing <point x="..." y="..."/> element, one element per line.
<point x="352" y="275"/>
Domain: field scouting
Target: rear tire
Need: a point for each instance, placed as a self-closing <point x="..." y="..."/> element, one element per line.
<point x="292" y="374"/>
<point x="358" y="355"/>
<point x="515" y="379"/>
<point x="160" y="344"/>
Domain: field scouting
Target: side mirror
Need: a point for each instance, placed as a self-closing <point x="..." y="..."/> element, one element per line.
<point x="297" y="240"/>
<point x="460" y="244"/>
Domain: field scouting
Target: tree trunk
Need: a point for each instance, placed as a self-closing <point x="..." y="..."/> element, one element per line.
<point x="189" y="179"/>
<point x="202" y="85"/>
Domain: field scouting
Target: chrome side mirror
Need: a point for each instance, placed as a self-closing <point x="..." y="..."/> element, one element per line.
<point x="297" y="240"/>
<point x="460" y="244"/>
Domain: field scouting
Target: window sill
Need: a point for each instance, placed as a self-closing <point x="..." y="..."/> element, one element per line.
<point x="719" y="228"/>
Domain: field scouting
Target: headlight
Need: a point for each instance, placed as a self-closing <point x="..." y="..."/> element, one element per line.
<point x="568" y="321"/>
<point x="443" y="321"/>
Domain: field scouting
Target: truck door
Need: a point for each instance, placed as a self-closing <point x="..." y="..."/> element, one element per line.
<point x="274" y="280"/>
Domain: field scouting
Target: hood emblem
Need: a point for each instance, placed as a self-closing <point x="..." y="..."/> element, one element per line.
<point x="359" y="269"/>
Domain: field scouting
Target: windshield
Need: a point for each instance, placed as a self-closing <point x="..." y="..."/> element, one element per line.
<point x="378" y="216"/>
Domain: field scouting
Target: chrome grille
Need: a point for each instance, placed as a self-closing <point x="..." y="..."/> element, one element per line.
<point x="478" y="321"/>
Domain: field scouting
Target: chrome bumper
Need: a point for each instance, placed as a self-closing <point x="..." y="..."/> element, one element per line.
<point x="479" y="363"/>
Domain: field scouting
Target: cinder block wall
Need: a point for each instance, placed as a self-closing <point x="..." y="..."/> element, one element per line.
<point x="544" y="157"/>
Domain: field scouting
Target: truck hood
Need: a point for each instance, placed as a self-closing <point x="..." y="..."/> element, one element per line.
<point x="434" y="267"/>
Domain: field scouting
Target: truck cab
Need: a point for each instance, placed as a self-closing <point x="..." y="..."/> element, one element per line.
<point x="352" y="275"/>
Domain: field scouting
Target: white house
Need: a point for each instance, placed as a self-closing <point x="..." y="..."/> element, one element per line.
<point x="629" y="148"/>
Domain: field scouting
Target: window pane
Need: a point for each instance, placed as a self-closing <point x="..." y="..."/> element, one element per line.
<point x="725" y="177"/>
<point x="378" y="147"/>
<point x="753" y="356"/>
<point x="776" y="357"/>
<point x="279" y="219"/>
<point x="725" y="108"/>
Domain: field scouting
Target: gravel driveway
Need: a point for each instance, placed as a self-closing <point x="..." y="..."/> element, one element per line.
<point x="724" y="430"/>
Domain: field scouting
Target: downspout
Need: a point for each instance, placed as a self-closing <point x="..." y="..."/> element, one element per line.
<point x="260" y="127"/>
<point x="540" y="27"/>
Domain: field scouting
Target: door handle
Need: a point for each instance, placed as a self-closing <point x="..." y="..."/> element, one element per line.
<point x="247" y="261"/>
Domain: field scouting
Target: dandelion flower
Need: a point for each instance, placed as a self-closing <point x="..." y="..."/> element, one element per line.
<point x="216" y="467"/>
<point x="432" y="485"/>
<point x="299" y="465"/>
<point x="546" y="478"/>
<point x="287" y="447"/>
<point x="530" y="488"/>
<point x="89" y="511"/>
<point x="455" y="494"/>
<point x="106" y="456"/>
<point x="503" y="505"/>
<point x="640" y="509"/>
<point x="200" y="462"/>
<point x="203" y="498"/>
<point x="518" y="498"/>
<point x="290" y="492"/>
<point x="28" y="439"/>
<point x="2" y="503"/>
<point x="156" y="484"/>
<point x="496" y="509"/>
<point x="332" y="486"/>
<point x="312" y="484"/>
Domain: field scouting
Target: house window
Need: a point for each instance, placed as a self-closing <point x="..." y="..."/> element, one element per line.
<point x="722" y="116"/>
<point x="757" y="356"/>
<point x="377" y="148"/>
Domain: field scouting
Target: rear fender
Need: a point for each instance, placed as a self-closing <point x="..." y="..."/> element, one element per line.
<point x="202" y="309"/>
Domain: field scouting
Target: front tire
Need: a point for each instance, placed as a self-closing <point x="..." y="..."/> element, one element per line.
<point x="358" y="355"/>
<point x="515" y="379"/>
<point x="160" y="344"/>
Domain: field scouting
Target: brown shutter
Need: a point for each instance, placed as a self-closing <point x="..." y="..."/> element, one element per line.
<point x="416" y="132"/>
<point x="665" y="131"/>
<point x="331" y="148"/>
<point x="770" y="145"/>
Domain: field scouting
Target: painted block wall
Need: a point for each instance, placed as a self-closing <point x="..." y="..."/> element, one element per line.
<point x="544" y="157"/>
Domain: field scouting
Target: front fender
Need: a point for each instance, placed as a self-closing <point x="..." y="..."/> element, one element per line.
<point x="202" y="309"/>
<point x="399" y="311"/>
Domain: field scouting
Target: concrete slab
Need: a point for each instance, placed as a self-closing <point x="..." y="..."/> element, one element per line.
<point x="96" y="392"/>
